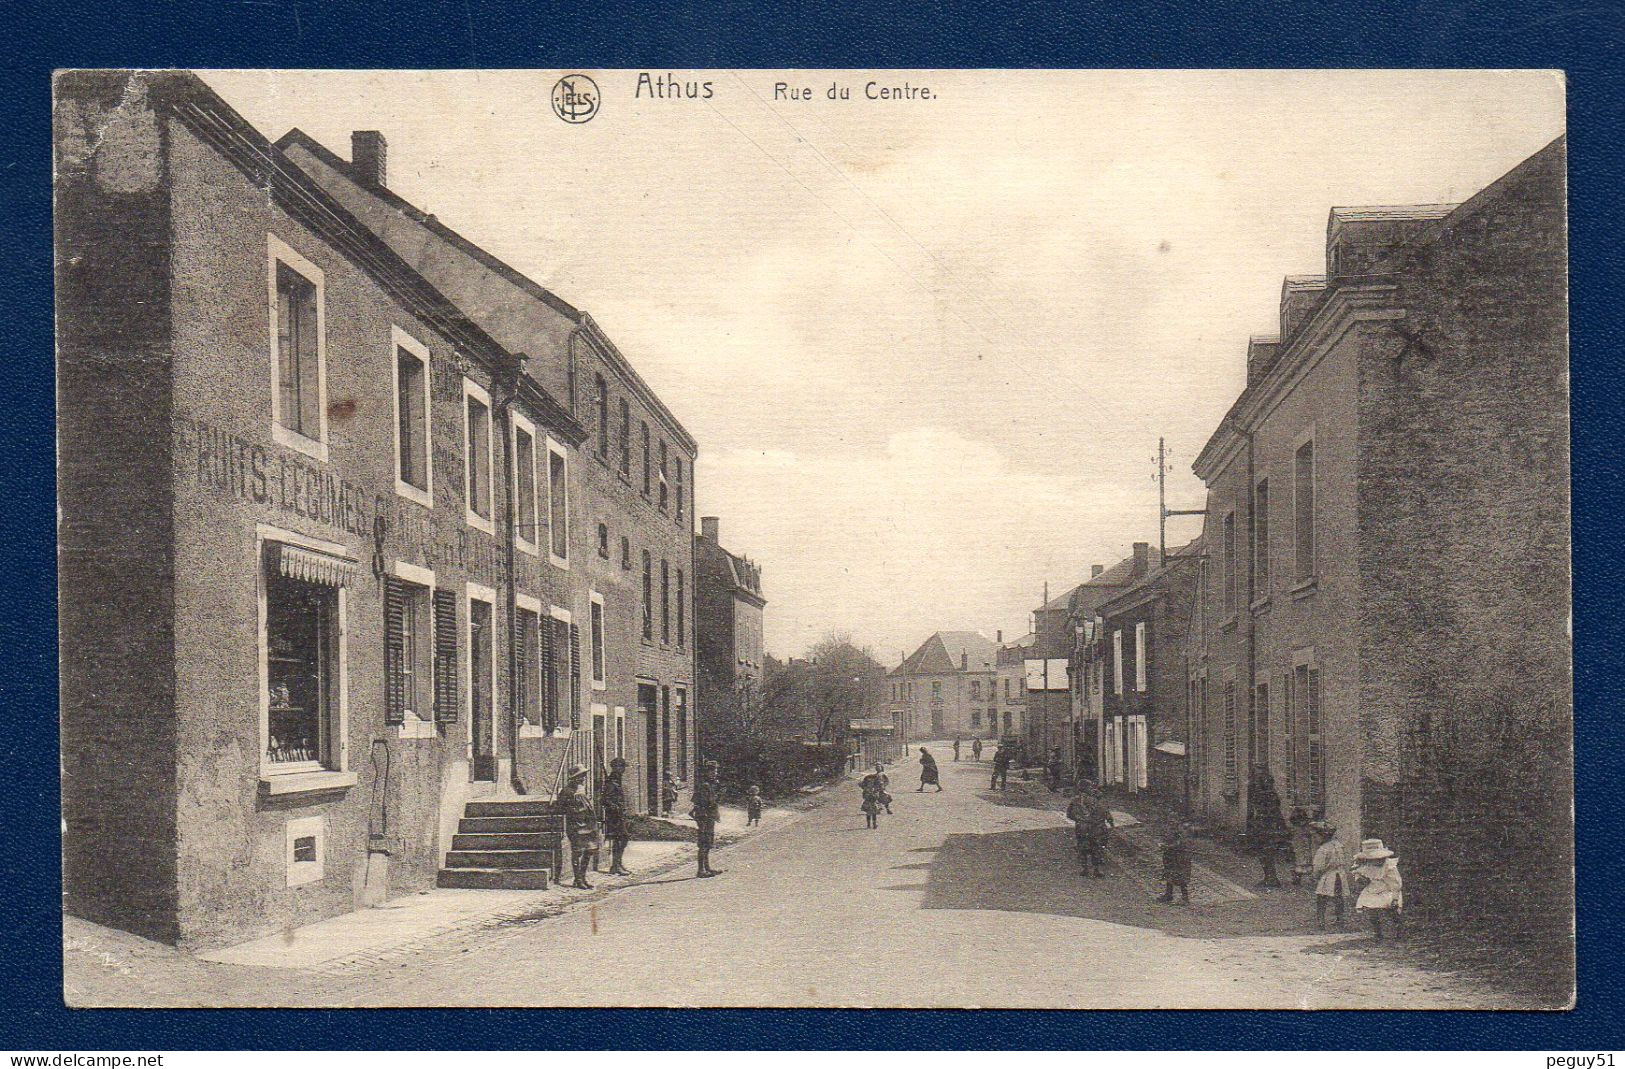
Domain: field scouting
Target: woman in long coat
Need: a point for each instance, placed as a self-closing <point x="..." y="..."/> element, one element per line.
<point x="1267" y="833"/>
<point x="928" y="771"/>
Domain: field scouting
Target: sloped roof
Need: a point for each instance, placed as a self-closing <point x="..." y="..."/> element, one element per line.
<point x="1177" y="556"/>
<point x="940" y="654"/>
<point x="1117" y="575"/>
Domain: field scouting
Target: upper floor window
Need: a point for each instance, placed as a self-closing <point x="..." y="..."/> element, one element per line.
<point x="1117" y="662"/>
<point x="648" y="463"/>
<point x="680" y="500"/>
<point x="626" y="438"/>
<point x="412" y="455"/>
<point x="1261" y="538"/>
<point x="665" y="601"/>
<point x="524" y="482"/>
<point x="558" y="504"/>
<point x="663" y="490"/>
<point x="626" y="554"/>
<point x="936" y="688"/>
<point x="682" y="609"/>
<point x="596" y="634"/>
<point x="1229" y="564"/>
<point x="648" y="596"/>
<point x="1141" y="653"/>
<point x="1303" y="508"/>
<point x="601" y="400"/>
<point x="603" y="540"/>
<point x="298" y="351"/>
<point x="976" y="689"/>
<point x="477" y="454"/>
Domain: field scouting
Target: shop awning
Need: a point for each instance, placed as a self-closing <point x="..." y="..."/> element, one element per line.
<point x="314" y="566"/>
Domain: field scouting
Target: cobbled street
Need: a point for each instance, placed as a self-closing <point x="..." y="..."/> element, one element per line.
<point x="968" y="898"/>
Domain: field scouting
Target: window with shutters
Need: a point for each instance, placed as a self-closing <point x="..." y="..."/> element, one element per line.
<point x="1141" y="653"/>
<point x="681" y="504"/>
<point x="557" y="708"/>
<point x="447" y="696"/>
<point x="595" y="638"/>
<point x="477" y="455"/>
<point x="575" y="676"/>
<point x="1231" y="775"/>
<point x="558" y="504"/>
<point x="648" y="597"/>
<point x="1258" y="726"/>
<point x="1290" y="736"/>
<point x="682" y="611"/>
<point x="665" y="602"/>
<point x="626" y="439"/>
<point x="648" y="463"/>
<point x="1117" y="662"/>
<point x="527" y="641"/>
<point x="1314" y="750"/>
<point x="408" y="664"/>
<point x="303" y="673"/>
<point x="412" y="445"/>
<point x="525" y="521"/>
<point x="661" y="479"/>
<point x="1261" y="540"/>
<point x="1303" y="509"/>
<point x="626" y="554"/>
<point x="601" y="402"/>
<point x="1230" y="570"/>
<point x="298" y="351"/>
<point x="680" y="699"/>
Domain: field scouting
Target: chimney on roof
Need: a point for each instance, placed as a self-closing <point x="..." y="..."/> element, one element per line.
<point x="999" y="636"/>
<point x="1096" y="569"/>
<point x="709" y="528"/>
<point x="1142" y="558"/>
<point x="369" y="153"/>
<point x="964" y="661"/>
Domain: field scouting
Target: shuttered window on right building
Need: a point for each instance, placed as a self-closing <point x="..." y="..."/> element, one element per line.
<point x="1303" y="509"/>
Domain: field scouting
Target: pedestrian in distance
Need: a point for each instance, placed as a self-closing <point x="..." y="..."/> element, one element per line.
<point x="705" y="811"/>
<point x="1001" y="769"/>
<point x="976" y="749"/>
<point x="1382" y="892"/>
<point x="1299" y="826"/>
<point x="1330" y="871"/>
<point x="871" y="809"/>
<point x="1091" y="826"/>
<point x="617" y="830"/>
<point x="1176" y="863"/>
<point x="956" y="747"/>
<point x="1267" y="832"/>
<point x="579" y="824"/>
<point x="753" y="805"/>
<point x="928" y="771"/>
<point x="668" y="794"/>
<point x="1053" y="770"/>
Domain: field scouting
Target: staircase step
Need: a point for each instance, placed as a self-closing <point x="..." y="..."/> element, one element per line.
<point x="495" y="879"/>
<point x="494" y="825"/>
<point x="498" y="859"/>
<point x="507" y="841"/>
<point x="510" y="807"/>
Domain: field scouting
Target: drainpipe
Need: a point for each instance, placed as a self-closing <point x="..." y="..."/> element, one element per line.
<point x="504" y="408"/>
<point x="1246" y="609"/>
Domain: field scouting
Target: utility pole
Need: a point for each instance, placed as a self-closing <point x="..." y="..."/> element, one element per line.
<point x="1163" y="511"/>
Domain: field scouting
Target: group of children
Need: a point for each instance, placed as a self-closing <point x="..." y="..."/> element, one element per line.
<point x="1373" y="875"/>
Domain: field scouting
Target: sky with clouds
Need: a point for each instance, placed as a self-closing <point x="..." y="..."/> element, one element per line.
<point x="927" y="346"/>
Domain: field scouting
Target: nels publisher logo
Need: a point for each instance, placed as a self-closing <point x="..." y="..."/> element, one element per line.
<point x="575" y="98"/>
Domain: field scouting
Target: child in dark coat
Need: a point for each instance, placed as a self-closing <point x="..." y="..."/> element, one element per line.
<point x="1176" y="864"/>
<point x="753" y="805"/>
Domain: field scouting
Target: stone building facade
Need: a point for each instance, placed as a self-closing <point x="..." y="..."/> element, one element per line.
<point x="312" y="523"/>
<point x="1386" y="604"/>
<point x="944" y="688"/>
<point x="728" y="622"/>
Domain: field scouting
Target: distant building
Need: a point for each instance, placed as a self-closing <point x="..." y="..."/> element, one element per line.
<point x="1008" y="716"/>
<point x="1385" y="620"/>
<point x="945" y="686"/>
<point x="728" y="619"/>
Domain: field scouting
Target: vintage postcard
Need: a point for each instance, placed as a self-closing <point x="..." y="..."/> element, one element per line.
<point x="928" y="538"/>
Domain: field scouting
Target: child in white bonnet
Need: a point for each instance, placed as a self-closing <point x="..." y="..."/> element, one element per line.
<point x="1382" y="894"/>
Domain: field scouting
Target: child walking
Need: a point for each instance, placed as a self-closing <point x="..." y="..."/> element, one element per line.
<point x="1382" y="894"/>
<point x="871" y="810"/>
<point x="1176" y="864"/>
<point x="1299" y="826"/>
<point x="1330" y="871"/>
<point x="753" y="805"/>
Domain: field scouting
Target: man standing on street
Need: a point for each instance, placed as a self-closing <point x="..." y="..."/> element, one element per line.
<point x="1001" y="768"/>
<point x="615" y="825"/>
<point x="579" y="824"/>
<point x="956" y="747"/>
<point x="705" y="813"/>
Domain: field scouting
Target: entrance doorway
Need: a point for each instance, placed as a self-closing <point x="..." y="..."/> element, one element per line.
<point x="647" y="705"/>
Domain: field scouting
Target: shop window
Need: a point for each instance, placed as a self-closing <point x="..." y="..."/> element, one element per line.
<point x="408" y="689"/>
<point x="477" y="454"/>
<point x="302" y="670"/>
<point x="524" y="481"/>
<point x="558" y="504"/>
<point x="412" y="449"/>
<point x="299" y="416"/>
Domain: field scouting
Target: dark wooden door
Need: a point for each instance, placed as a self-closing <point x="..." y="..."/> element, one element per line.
<point x="651" y="757"/>
<point x="479" y="658"/>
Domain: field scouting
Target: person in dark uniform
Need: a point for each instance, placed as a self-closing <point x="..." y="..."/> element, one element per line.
<point x="956" y="747"/>
<point x="928" y="771"/>
<point x="1053" y="770"/>
<point x="705" y="813"/>
<point x="1267" y="833"/>
<point x="616" y="829"/>
<point x="579" y="824"/>
<point x="1001" y="768"/>
<point x="1092" y="822"/>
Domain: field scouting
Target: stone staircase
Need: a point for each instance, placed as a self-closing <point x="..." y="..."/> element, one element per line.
<point x="505" y="844"/>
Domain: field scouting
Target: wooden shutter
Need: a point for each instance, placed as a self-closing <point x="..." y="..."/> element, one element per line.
<point x="575" y="675"/>
<point x="550" y="676"/>
<point x="1317" y="752"/>
<point x="1289" y="721"/>
<point x="524" y="641"/>
<point x="395" y="609"/>
<point x="446" y="698"/>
